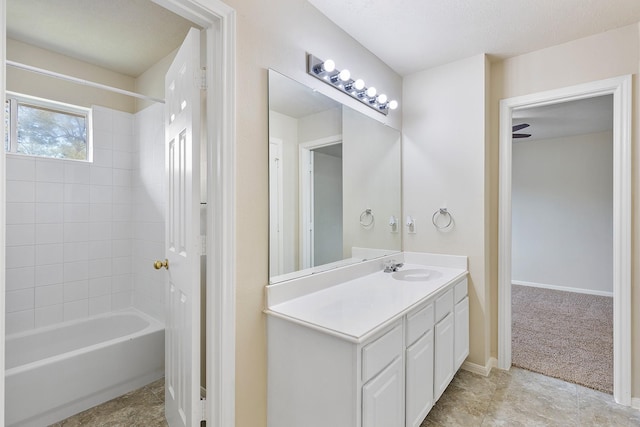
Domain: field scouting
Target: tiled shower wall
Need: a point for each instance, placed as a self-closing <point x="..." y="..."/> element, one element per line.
<point x="69" y="230"/>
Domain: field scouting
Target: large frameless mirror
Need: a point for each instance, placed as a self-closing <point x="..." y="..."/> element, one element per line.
<point x="334" y="183"/>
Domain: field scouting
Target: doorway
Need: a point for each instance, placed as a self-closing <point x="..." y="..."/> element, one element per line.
<point x="620" y="89"/>
<point x="218" y="20"/>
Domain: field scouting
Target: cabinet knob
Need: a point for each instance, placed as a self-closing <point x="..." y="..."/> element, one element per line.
<point x="159" y="264"/>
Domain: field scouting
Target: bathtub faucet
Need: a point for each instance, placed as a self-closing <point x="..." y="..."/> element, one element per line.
<point x="392" y="266"/>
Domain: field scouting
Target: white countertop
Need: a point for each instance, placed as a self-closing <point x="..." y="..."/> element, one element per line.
<point x="356" y="308"/>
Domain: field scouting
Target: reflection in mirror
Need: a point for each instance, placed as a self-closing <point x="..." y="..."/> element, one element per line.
<point x="334" y="183"/>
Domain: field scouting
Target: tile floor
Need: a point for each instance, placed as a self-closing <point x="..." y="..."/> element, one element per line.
<point x="523" y="398"/>
<point x="514" y="398"/>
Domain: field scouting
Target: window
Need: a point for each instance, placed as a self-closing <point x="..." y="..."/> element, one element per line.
<point x="39" y="127"/>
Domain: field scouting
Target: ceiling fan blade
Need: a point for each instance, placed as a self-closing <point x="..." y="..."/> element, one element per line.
<point x="521" y="135"/>
<point x="515" y="128"/>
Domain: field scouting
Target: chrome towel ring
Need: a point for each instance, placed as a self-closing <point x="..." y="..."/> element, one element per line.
<point x="366" y="218"/>
<point x="437" y="214"/>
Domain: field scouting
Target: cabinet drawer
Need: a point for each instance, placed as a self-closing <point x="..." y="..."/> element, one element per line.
<point x="444" y="304"/>
<point x="418" y="323"/>
<point x="381" y="352"/>
<point x="460" y="290"/>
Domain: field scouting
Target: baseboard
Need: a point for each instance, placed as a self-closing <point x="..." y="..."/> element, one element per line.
<point x="479" y="369"/>
<point x="562" y="288"/>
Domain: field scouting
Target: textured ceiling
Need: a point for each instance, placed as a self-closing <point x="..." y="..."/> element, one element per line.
<point x="414" y="35"/>
<point x="127" y="36"/>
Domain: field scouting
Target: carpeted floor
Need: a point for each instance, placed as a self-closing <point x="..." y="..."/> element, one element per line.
<point x="564" y="335"/>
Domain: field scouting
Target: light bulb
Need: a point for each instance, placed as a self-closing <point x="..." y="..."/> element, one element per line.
<point x="371" y="92"/>
<point x="359" y="84"/>
<point x="329" y="65"/>
<point x="382" y="98"/>
<point x="393" y="104"/>
<point x="344" y="75"/>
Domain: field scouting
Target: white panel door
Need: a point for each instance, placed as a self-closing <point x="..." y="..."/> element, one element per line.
<point x="419" y="397"/>
<point x="461" y="346"/>
<point x="443" y="353"/>
<point x="276" y="208"/>
<point x="382" y="398"/>
<point x="182" y="235"/>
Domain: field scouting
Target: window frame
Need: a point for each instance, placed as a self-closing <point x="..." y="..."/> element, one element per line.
<point x="15" y="99"/>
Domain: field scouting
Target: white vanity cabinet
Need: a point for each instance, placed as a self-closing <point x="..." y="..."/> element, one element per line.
<point x="321" y="372"/>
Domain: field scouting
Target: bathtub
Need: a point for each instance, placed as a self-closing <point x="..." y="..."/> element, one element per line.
<point x="57" y="371"/>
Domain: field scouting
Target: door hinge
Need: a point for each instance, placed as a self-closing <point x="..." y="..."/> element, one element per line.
<point x="203" y="409"/>
<point x="203" y="244"/>
<point x="203" y="78"/>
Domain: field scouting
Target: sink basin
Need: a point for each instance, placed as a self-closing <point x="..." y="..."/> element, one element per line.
<point x="416" y="275"/>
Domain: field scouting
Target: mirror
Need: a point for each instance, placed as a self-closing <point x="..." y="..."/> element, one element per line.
<point x="334" y="183"/>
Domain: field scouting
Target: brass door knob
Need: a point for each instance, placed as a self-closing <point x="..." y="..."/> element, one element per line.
<point x="159" y="264"/>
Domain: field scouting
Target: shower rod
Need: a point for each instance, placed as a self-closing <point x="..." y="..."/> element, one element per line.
<point x="81" y="81"/>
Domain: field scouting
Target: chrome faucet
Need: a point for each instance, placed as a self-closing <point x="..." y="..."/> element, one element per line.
<point x="392" y="266"/>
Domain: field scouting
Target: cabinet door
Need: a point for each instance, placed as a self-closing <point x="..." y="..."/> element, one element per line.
<point x="382" y="398"/>
<point x="461" y="332"/>
<point x="443" y="350"/>
<point x="419" y="397"/>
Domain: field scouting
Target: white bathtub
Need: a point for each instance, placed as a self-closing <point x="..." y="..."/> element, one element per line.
<point x="58" y="371"/>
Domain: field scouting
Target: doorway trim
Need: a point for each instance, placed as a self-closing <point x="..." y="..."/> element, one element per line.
<point x="219" y="20"/>
<point x="620" y="88"/>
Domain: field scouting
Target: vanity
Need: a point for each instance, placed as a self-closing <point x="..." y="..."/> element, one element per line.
<point x="360" y="347"/>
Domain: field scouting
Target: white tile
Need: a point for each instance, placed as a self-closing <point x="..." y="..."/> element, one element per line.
<point x="50" y="170"/>
<point x="99" y="286"/>
<point x="20" y="168"/>
<point x="76" y="212"/>
<point x="100" y="249"/>
<point x="21" y="191"/>
<point x="122" y="212"/>
<point x="121" y="300"/>
<point x="49" y="192"/>
<point x="121" y="283"/>
<point x="76" y="173"/>
<point x="74" y="291"/>
<point x="100" y="212"/>
<point x="102" y="118"/>
<point x="99" y="305"/>
<point x="49" y="315"/>
<point x="122" y="195"/>
<point x="48" y="233"/>
<point x="20" y="213"/>
<point x="49" y="295"/>
<point x="75" y="271"/>
<point x="102" y="139"/>
<point x="20" y="256"/>
<point x="20" y="278"/>
<point x="101" y="176"/>
<point x="48" y="213"/>
<point x="76" y="309"/>
<point x="123" y="123"/>
<point x="122" y="247"/>
<point x="49" y="254"/>
<point x="76" y="251"/>
<point x="77" y="193"/>
<point x="20" y="235"/>
<point x="121" y="230"/>
<point x="121" y="265"/>
<point x="103" y="157"/>
<point x="76" y="232"/>
<point x="121" y="177"/>
<point x="101" y="194"/>
<point x="99" y="268"/>
<point x="19" y="300"/>
<point x="121" y="159"/>
<point x="19" y="321"/>
<point x="48" y="274"/>
<point x="100" y="231"/>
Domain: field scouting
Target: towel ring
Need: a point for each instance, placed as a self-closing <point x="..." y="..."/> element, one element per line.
<point x="436" y="214"/>
<point x="363" y="218"/>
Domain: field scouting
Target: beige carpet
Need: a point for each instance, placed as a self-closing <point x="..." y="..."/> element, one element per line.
<point x="564" y="335"/>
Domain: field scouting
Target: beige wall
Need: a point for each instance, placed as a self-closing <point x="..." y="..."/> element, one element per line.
<point x="598" y="57"/>
<point x="276" y="34"/>
<point x="29" y="83"/>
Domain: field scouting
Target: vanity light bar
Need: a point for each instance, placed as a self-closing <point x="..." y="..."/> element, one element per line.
<point x="341" y="80"/>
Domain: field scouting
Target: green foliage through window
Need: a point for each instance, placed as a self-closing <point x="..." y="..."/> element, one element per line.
<point x="42" y="129"/>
